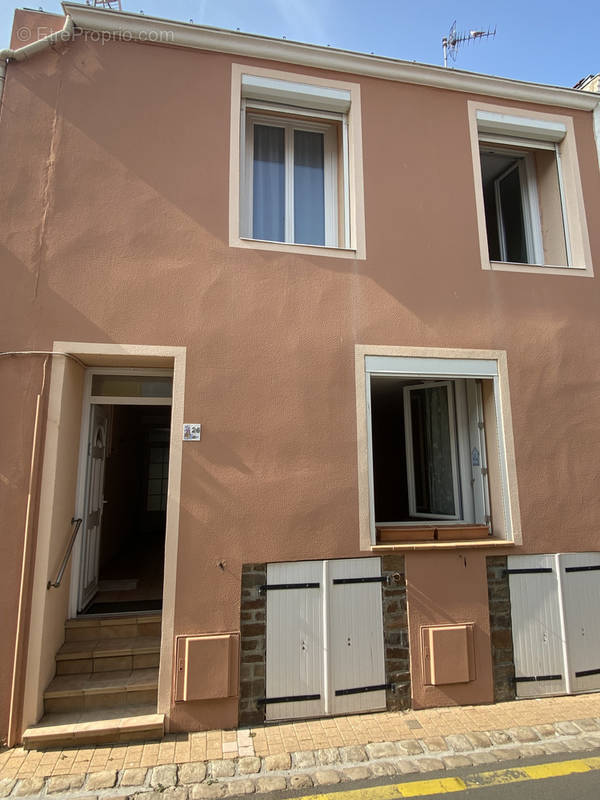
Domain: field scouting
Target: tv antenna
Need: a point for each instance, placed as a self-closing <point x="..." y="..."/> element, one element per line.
<point x="451" y="43"/>
<point x="115" y="5"/>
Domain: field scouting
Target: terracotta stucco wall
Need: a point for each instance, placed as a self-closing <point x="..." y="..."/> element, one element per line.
<point x="114" y="228"/>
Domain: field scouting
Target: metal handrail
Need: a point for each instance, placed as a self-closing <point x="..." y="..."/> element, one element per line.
<point x="77" y="524"/>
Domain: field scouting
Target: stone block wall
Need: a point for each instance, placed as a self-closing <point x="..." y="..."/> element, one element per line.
<point x="395" y="632"/>
<point x="253" y="627"/>
<point x="503" y="659"/>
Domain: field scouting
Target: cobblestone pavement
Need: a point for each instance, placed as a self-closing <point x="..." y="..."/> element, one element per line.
<point x="300" y="755"/>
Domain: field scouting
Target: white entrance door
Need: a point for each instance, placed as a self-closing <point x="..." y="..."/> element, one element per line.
<point x="94" y="505"/>
<point x="324" y="638"/>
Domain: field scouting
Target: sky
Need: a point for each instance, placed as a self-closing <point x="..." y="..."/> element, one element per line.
<point x="544" y="41"/>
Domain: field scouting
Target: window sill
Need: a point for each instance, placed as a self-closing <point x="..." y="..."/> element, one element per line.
<point x="434" y="537"/>
<point x="543" y="269"/>
<point x="301" y="249"/>
<point x="458" y="544"/>
<point x="430" y="532"/>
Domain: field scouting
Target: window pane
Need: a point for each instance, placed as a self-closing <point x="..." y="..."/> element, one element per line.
<point x="268" y="190"/>
<point x="309" y="188"/>
<point x="434" y="484"/>
<point x="131" y="386"/>
<point x="512" y="216"/>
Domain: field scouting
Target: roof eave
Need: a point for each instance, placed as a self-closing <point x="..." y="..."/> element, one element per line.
<point x="136" y="27"/>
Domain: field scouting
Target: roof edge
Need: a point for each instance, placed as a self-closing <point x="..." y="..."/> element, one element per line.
<point x="148" y="29"/>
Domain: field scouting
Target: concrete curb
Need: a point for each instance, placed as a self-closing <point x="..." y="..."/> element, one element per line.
<point x="204" y="780"/>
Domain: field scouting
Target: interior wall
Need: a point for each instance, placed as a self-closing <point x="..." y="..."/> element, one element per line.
<point x="123" y="478"/>
<point x="389" y="450"/>
<point x="126" y="522"/>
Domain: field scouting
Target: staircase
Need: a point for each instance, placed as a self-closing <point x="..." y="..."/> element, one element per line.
<point x="106" y="684"/>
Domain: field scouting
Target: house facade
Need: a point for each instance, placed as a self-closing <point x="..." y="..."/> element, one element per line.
<point x="300" y="364"/>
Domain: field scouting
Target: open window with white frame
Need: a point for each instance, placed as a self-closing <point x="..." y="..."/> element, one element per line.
<point x="435" y="440"/>
<point x="295" y="170"/>
<point x="525" y="211"/>
<point x="530" y="190"/>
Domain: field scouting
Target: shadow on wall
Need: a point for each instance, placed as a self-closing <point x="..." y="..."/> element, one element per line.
<point x="137" y="146"/>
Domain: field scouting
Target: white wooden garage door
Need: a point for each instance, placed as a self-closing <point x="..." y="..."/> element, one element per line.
<point x="324" y="638"/>
<point x="555" y="602"/>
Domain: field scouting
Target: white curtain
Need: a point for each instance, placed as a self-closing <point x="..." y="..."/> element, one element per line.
<point x="269" y="185"/>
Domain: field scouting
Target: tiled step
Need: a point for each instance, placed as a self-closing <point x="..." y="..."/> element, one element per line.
<point x="101" y="690"/>
<point x="123" y="724"/>
<point x="112" y="627"/>
<point x="105" y="655"/>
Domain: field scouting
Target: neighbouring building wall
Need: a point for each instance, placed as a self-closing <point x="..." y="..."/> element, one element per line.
<point x="114" y="225"/>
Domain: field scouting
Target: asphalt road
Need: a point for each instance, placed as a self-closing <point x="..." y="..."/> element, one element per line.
<point x="577" y="786"/>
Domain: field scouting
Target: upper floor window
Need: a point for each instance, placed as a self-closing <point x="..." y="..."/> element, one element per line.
<point x="290" y="192"/>
<point x="296" y="172"/>
<point x="529" y="198"/>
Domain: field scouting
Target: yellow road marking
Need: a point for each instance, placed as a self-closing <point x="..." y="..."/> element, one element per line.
<point x="477" y="780"/>
<point x="435" y="786"/>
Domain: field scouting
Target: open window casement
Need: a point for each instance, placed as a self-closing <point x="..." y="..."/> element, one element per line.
<point x="523" y="192"/>
<point x="295" y="166"/>
<point x="445" y="452"/>
<point x="436" y="452"/>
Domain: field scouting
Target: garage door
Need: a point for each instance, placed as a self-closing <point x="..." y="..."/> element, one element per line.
<point x="555" y="622"/>
<point x="324" y="638"/>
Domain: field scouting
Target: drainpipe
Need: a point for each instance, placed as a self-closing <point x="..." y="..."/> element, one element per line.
<point x="29" y="50"/>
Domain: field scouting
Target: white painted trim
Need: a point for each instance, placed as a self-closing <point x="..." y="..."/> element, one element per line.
<point x="303" y="95"/>
<point x="369" y="454"/>
<point x="130" y="401"/>
<point x="150" y="30"/>
<point x="90" y="400"/>
<point x="563" y="624"/>
<point x="330" y="161"/>
<point x="531" y="210"/>
<point x="508" y="524"/>
<point x="597" y="130"/>
<point x="166" y="373"/>
<point x="578" y="249"/>
<point x="240" y="175"/>
<point x="92" y="354"/>
<point x="512" y="125"/>
<point x="431" y="366"/>
<point x="561" y="191"/>
<point x="410" y="458"/>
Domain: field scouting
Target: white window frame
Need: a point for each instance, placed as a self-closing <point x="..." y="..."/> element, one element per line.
<point x="465" y="417"/>
<point x="506" y="126"/>
<point x="525" y="165"/>
<point x="453" y="424"/>
<point x="314" y="100"/>
<point x="430" y="364"/>
<point x="330" y="169"/>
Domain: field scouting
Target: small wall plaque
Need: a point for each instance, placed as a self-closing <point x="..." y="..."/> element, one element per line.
<point x="191" y="431"/>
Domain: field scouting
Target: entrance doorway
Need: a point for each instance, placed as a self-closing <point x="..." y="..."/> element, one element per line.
<point x="121" y="563"/>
